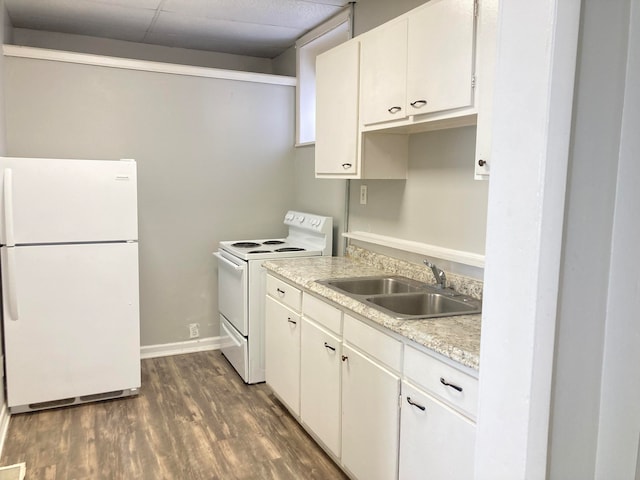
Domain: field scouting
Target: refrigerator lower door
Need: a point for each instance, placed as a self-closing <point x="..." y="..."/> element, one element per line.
<point x="71" y="321"/>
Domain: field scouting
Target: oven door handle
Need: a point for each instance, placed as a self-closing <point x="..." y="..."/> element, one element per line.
<point x="237" y="268"/>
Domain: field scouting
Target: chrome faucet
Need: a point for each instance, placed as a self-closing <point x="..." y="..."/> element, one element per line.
<point x="441" y="279"/>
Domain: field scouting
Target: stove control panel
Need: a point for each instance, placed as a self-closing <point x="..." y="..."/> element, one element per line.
<point x="307" y="221"/>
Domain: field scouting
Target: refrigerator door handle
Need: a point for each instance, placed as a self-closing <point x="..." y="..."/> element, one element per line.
<point x="12" y="290"/>
<point x="8" y="207"/>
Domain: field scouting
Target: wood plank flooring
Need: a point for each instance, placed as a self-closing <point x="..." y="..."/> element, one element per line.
<point x="194" y="419"/>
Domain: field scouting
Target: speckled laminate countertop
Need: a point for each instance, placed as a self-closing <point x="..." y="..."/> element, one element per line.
<point x="457" y="338"/>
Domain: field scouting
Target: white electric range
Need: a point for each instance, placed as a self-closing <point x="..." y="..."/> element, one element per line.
<point x="242" y="286"/>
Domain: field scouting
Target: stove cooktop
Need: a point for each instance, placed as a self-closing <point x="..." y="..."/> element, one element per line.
<point x="263" y="249"/>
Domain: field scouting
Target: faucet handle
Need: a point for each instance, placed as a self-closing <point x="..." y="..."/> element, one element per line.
<point x="441" y="278"/>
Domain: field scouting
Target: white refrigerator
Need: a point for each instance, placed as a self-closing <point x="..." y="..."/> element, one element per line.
<point x="69" y="261"/>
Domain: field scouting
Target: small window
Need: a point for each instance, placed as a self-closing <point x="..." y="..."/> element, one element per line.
<point x="322" y="38"/>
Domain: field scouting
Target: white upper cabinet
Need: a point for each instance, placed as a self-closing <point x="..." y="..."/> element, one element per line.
<point x="440" y="63"/>
<point x="337" y="74"/>
<point x="422" y="63"/>
<point x="487" y="36"/>
<point x="428" y="69"/>
<point x="383" y="94"/>
<point x="340" y="147"/>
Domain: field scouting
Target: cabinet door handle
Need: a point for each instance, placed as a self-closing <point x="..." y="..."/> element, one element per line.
<point x="280" y="292"/>
<point x="447" y="384"/>
<point x="482" y="163"/>
<point x="326" y="345"/>
<point x="346" y="166"/>
<point x="344" y="358"/>
<point x="418" y="103"/>
<point x="414" y="404"/>
<point x="291" y="321"/>
<point x="394" y="109"/>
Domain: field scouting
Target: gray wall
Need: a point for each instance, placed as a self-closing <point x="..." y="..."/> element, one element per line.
<point x="138" y="51"/>
<point x="214" y="163"/>
<point x="439" y="204"/>
<point x="587" y="245"/>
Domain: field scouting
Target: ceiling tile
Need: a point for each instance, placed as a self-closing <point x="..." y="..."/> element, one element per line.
<point x="226" y="36"/>
<point x="292" y="13"/>
<point x="262" y="28"/>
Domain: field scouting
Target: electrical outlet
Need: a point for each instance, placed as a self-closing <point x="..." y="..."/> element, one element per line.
<point x="363" y="194"/>
<point x="194" y="330"/>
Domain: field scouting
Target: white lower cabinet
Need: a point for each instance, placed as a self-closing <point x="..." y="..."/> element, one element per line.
<point x="369" y="417"/>
<point x="282" y="353"/>
<point x="383" y="409"/>
<point x="436" y="442"/>
<point x="320" y="384"/>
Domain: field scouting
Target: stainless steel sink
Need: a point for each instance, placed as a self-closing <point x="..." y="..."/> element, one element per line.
<point x="425" y="305"/>
<point x="404" y="298"/>
<point x="375" y="285"/>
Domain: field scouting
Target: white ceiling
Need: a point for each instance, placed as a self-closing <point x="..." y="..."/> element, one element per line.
<point x="261" y="28"/>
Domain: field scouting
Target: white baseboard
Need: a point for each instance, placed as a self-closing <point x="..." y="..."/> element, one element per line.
<point x="179" y="348"/>
<point x="5" y="416"/>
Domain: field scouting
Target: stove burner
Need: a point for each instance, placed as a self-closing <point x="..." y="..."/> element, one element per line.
<point x="273" y="242"/>
<point x="260" y="251"/>
<point x="245" y="244"/>
<point x="290" y="249"/>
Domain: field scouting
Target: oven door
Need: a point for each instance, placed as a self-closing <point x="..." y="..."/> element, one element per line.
<point x="233" y="291"/>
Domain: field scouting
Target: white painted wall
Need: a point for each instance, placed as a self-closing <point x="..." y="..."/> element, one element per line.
<point x="531" y="128"/>
<point x="439" y="204"/>
<point x="139" y="51"/>
<point x="215" y="162"/>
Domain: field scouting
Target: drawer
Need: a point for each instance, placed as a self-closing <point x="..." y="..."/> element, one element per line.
<point x="284" y="293"/>
<point x="321" y="312"/>
<point x="380" y="346"/>
<point x="446" y="382"/>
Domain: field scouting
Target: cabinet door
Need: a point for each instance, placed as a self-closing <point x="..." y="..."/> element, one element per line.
<point x="435" y="441"/>
<point x="370" y="418"/>
<point x="320" y="384"/>
<point x="282" y="353"/>
<point x="440" y="57"/>
<point x="337" y="77"/>
<point x="486" y="52"/>
<point x="383" y="73"/>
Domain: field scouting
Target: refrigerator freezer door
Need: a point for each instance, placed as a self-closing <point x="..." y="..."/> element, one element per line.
<point x="77" y="331"/>
<point x="67" y="201"/>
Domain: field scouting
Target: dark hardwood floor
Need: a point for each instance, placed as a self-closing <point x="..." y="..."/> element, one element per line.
<point x="194" y="419"/>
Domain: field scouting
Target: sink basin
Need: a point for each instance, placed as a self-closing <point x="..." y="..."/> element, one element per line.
<point x="425" y="305"/>
<point x="404" y="298"/>
<point x="375" y="285"/>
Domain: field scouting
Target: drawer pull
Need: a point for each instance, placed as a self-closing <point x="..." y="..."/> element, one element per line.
<point x="447" y="384"/>
<point x="326" y="345"/>
<point x="280" y="292"/>
<point x="291" y="321"/>
<point x="414" y="404"/>
<point x="393" y="110"/>
<point x="346" y="166"/>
